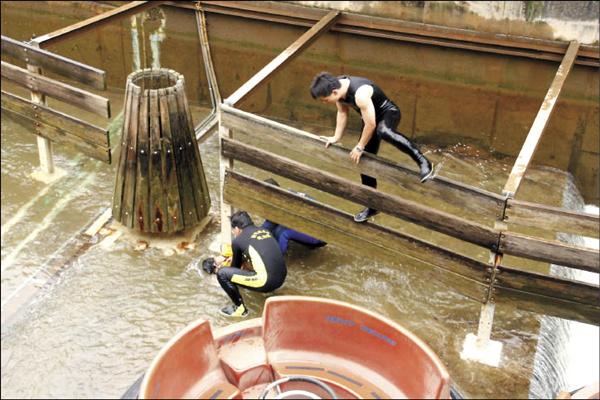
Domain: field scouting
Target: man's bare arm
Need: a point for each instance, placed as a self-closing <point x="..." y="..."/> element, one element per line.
<point x="367" y="111"/>
<point x="341" y="122"/>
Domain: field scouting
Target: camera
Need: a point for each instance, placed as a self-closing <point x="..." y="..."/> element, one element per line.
<point x="209" y="265"/>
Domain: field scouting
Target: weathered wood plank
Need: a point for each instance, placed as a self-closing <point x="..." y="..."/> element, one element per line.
<point x="191" y="163"/>
<point x="157" y="200"/>
<point x="53" y="62"/>
<point x="457" y="196"/>
<point x="61" y="91"/>
<point x="551" y="251"/>
<point x="202" y="194"/>
<point x="130" y="8"/>
<point x="544" y="305"/>
<point x="83" y="130"/>
<point x="367" y="196"/>
<point x="550" y="286"/>
<point x="141" y="206"/>
<point x="539" y="124"/>
<point x="224" y="164"/>
<point x="542" y="296"/>
<point x="371" y="241"/>
<point x="555" y="219"/>
<point x="45" y="147"/>
<point x="57" y="135"/>
<point x="188" y="207"/>
<point x="211" y="77"/>
<point x="169" y="168"/>
<point x="120" y="178"/>
<point x="129" y="183"/>
<point x="285" y="56"/>
<point x="209" y="125"/>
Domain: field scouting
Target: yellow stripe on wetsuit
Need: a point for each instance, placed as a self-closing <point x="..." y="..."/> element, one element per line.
<point x="257" y="280"/>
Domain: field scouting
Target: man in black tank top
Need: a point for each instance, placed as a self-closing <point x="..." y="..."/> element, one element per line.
<point x="380" y="117"/>
<point x="260" y="248"/>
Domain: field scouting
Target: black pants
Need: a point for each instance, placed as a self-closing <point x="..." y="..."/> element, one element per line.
<point x="225" y="276"/>
<point x="386" y="130"/>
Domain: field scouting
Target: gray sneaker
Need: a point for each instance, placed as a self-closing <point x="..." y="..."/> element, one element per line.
<point x="365" y="214"/>
<point x="234" y="311"/>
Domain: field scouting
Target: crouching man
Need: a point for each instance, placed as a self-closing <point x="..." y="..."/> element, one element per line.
<point x="257" y="246"/>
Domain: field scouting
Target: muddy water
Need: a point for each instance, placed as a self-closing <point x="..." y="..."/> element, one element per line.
<point x="90" y="332"/>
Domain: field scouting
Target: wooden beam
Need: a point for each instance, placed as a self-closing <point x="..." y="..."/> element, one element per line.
<point x="551" y="251"/>
<point x="522" y="213"/>
<point x="367" y="196"/>
<point x="545" y="305"/>
<point x="548" y="295"/>
<point x="265" y="133"/>
<point x="38" y="112"/>
<point x="53" y="88"/>
<point x="59" y="135"/>
<point x="540" y="123"/>
<point x="544" y="285"/>
<point x="130" y="8"/>
<point x="293" y="50"/>
<point x="211" y="77"/>
<point x="206" y="127"/>
<point x="53" y="62"/>
<point x="374" y="242"/>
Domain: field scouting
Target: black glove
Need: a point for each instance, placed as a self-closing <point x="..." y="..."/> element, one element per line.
<point x="209" y="265"/>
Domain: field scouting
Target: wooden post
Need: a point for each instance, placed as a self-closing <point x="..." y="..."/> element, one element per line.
<point x="480" y="347"/>
<point x="224" y="164"/>
<point x="44" y="145"/>
<point x="160" y="185"/>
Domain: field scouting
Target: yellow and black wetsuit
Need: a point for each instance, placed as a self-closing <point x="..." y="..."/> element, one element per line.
<point x="267" y="261"/>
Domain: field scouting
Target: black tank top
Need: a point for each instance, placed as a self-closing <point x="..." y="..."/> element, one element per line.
<point x="380" y="101"/>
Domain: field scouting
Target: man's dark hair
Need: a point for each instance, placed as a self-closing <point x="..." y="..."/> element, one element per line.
<point x="241" y="219"/>
<point x="323" y="85"/>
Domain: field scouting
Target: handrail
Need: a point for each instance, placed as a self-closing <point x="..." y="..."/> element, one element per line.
<point x="59" y="90"/>
<point x="536" y="292"/>
<point x="53" y="62"/>
<point x="510" y="243"/>
<point x="262" y="130"/>
<point x="437" y="220"/>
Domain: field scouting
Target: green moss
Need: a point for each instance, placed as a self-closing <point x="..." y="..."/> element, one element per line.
<point x="532" y="9"/>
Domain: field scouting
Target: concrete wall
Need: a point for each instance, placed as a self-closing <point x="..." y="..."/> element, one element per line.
<point x="553" y="20"/>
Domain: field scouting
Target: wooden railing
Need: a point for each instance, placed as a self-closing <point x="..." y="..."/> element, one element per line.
<point x="552" y="295"/>
<point x="47" y="123"/>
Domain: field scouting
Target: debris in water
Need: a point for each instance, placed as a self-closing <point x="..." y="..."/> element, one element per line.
<point x="141" y="245"/>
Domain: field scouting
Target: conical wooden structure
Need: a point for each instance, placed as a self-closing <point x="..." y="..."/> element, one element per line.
<point x="160" y="185"/>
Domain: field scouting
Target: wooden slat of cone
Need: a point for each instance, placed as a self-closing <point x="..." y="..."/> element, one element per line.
<point x="160" y="185"/>
<point x="174" y="216"/>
